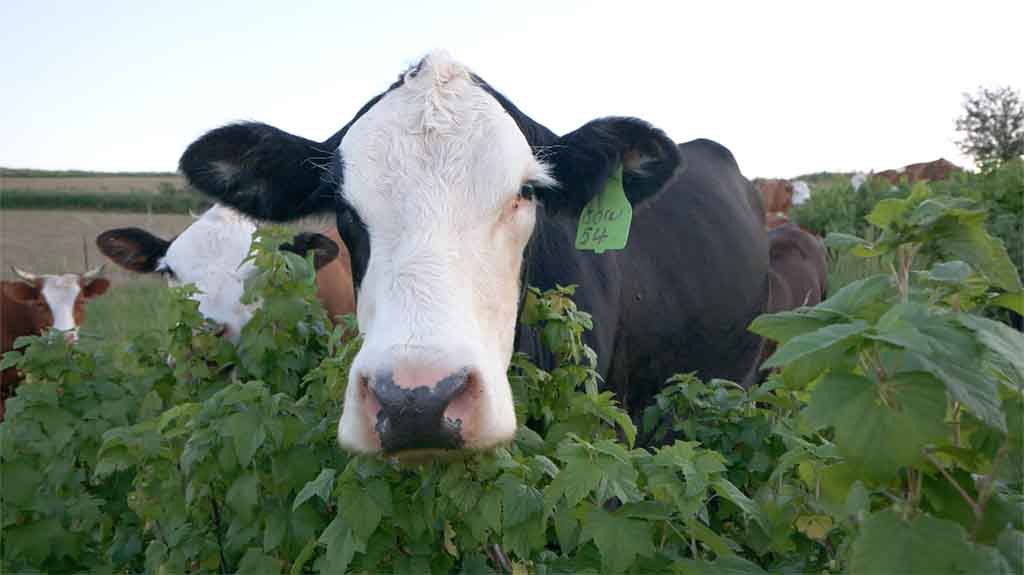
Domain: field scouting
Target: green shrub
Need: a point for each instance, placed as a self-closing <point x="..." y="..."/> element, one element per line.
<point x="889" y="440"/>
<point x="134" y="201"/>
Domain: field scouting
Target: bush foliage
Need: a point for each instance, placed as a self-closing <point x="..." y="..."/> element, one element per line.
<point x="888" y="439"/>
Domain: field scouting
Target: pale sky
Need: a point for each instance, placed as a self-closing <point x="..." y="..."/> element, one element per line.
<point x="789" y="87"/>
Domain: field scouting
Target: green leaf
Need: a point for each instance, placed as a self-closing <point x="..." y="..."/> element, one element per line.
<point x="962" y="235"/>
<point x="256" y="563"/>
<point x="955" y="272"/>
<point x="843" y="242"/>
<point x="580" y="477"/>
<point x="783" y="326"/>
<point x="243" y="495"/>
<point x="887" y="211"/>
<point x="320" y="487"/>
<point x="1012" y="301"/>
<point x="341" y="547"/>
<point x="277" y="526"/>
<point x="519" y="501"/>
<point x="829" y="337"/>
<point x="856" y="297"/>
<point x="619" y="539"/>
<point x="887" y="544"/>
<point x="881" y="427"/>
<point x="1011" y="544"/>
<point x="248" y="434"/>
<point x="1006" y="343"/>
<point x="726" y="490"/>
<point x="723" y="566"/>
<point x="361" y="512"/>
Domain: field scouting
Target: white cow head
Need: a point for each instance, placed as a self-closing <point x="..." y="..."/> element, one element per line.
<point x="208" y="254"/>
<point x="437" y="185"/>
<point x="56" y="301"/>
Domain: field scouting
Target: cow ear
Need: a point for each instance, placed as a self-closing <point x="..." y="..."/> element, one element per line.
<point x="324" y="249"/>
<point x="264" y="172"/>
<point x="20" y="292"/>
<point x="95" y="287"/>
<point x="133" y="249"/>
<point x="582" y="161"/>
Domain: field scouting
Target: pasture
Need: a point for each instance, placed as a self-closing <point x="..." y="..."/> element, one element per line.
<point x="99" y="183"/>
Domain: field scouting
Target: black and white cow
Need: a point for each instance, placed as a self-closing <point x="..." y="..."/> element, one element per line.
<point x="449" y="199"/>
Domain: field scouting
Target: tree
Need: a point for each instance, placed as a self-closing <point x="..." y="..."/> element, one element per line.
<point x="992" y="126"/>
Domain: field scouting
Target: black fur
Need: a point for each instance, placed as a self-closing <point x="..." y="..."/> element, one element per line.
<point x="583" y="160"/>
<point x="133" y="248"/>
<point x="263" y="172"/>
<point x="324" y="249"/>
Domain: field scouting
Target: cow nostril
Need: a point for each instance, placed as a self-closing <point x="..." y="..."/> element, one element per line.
<point x="420" y="417"/>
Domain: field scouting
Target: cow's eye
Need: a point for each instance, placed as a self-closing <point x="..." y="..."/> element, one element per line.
<point x="526" y="191"/>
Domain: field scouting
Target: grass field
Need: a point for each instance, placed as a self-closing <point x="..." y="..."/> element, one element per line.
<point x="61" y="241"/>
<point x="97" y="184"/>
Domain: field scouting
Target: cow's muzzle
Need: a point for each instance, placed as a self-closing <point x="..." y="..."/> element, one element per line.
<point x="423" y="417"/>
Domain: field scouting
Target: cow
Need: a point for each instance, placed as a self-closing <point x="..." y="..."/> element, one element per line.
<point x="451" y="200"/>
<point x="798" y="274"/>
<point x="334" y="280"/>
<point x="933" y="171"/>
<point x="777" y="197"/>
<point x="35" y="303"/>
<point x="209" y="253"/>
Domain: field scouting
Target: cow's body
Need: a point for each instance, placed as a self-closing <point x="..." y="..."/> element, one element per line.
<point x="679" y="297"/>
<point x="334" y="280"/>
<point x="933" y="171"/>
<point x="798" y="274"/>
<point x="37" y="303"/>
<point x="448" y="197"/>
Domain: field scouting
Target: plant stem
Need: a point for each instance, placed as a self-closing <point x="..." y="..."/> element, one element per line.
<point x="987" y="484"/>
<point x="220" y="540"/>
<point x="975" y="508"/>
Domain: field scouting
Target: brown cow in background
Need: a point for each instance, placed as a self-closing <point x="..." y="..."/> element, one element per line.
<point x="38" y="302"/>
<point x="933" y="171"/>
<point x="777" y="197"/>
<point x="797" y="275"/>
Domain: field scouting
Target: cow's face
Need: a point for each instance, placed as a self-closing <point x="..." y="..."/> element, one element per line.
<point x="56" y="301"/>
<point x="208" y="254"/>
<point x="436" y="188"/>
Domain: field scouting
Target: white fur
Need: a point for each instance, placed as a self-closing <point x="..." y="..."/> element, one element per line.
<point x="209" y="254"/>
<point x="434" y="170"/>
<point x="857" y="180"/>
<point x="60" y="293"/>
<point x="801" y="192"/>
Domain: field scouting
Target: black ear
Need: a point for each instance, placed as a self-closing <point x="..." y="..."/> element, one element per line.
<point x="324" y="249"/>
<point x="583" y="160"/>
<point x="264" y="172"/>
<point x="132" y="248"/>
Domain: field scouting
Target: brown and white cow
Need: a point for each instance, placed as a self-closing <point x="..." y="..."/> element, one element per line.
<point x="35" y="303"/>
<point x="933" y="171"/>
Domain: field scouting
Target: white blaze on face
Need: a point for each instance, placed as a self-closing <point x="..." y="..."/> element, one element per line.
<point x="434" y="170"/>
<point x="60" y="293"/>
<point x="209" y="254"/>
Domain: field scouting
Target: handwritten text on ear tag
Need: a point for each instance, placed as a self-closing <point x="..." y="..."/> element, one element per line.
<point x="605" y="220"/>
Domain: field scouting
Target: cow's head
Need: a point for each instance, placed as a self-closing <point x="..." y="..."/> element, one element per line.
<point x="437" y="185"/>
<point x="209" y="254"/>
<point x="56" y="301"/>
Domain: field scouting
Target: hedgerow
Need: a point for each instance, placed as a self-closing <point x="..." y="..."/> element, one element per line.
<point x="137" y="201"/>
<point x="888" y="439"/>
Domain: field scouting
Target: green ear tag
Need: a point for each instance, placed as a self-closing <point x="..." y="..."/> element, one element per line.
<point x="604" y="222"/>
